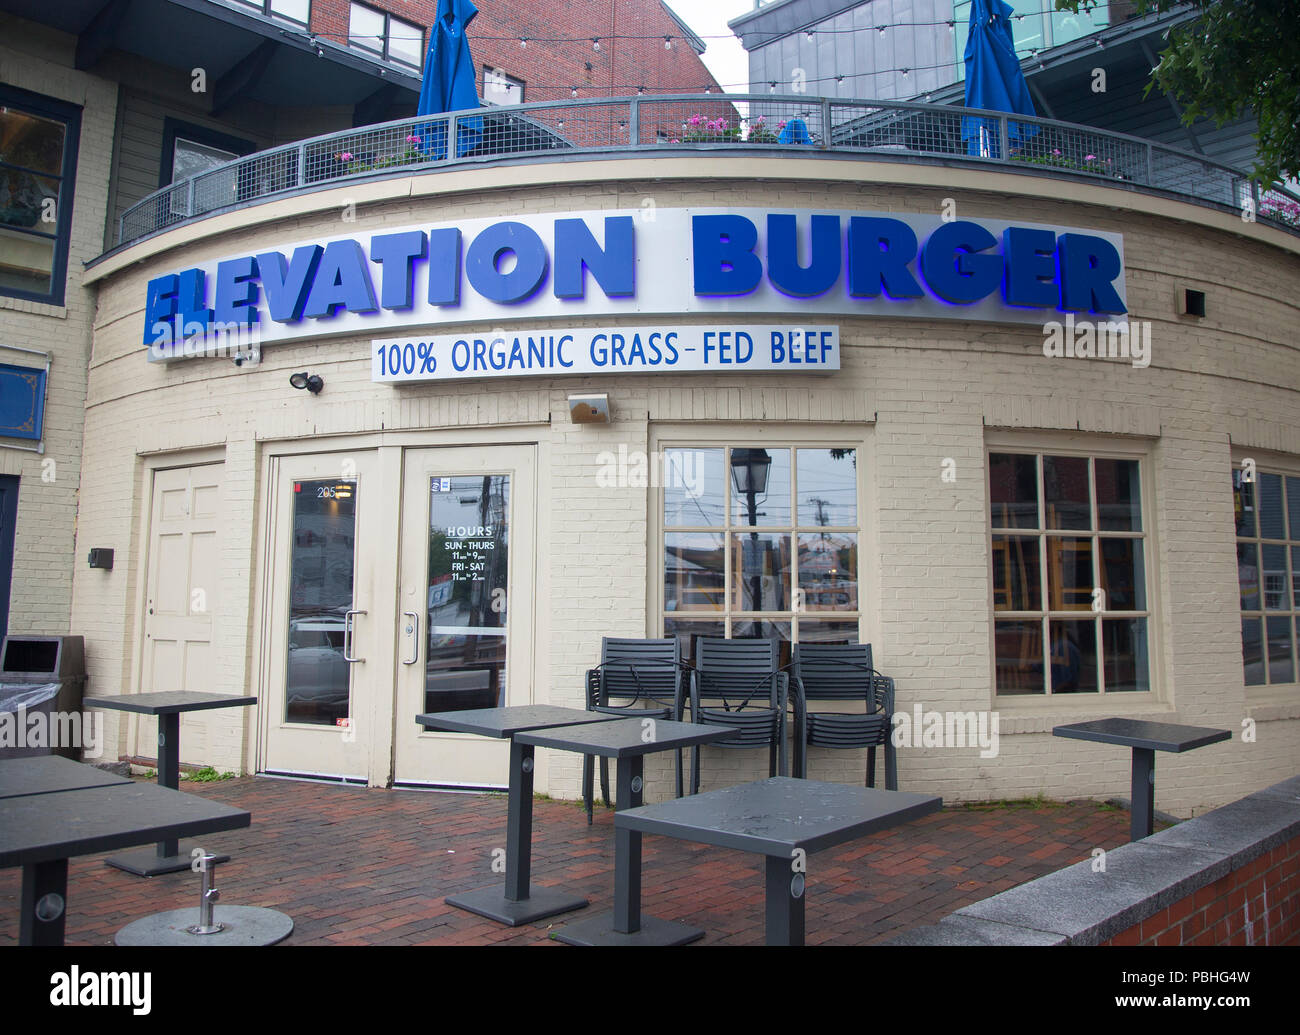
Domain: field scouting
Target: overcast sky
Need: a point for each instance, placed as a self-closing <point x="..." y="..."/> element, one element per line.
<point x="725" y="58"/>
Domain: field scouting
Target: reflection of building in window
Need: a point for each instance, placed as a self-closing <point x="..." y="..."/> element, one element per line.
<point x="501" y="88"/>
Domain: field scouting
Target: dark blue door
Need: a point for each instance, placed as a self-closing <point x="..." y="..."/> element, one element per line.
<point x="8" y="522"/>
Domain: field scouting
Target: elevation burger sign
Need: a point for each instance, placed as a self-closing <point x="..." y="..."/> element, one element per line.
<point x="797" y="266"/>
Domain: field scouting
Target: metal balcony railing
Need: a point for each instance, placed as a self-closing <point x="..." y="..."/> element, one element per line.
<point x="686" y="123"/>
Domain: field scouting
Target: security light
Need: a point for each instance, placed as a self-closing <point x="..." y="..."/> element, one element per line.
<point x="312" y="382"/>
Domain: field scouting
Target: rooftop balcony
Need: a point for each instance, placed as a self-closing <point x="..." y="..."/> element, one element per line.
<point x="681" y="125"/>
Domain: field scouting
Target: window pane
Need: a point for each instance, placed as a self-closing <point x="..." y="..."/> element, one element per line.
<point x="1123" y="575"/>
<point x="317" y="677"/>
<point x="1013" y="490"/>
<point x="1273" y="578"/>
<point x="1293" y="505"/>
<point x="694" y="572"/>
<point x="1018" y="648"/>
<point x="296" y="10"/>
<point x="745" y="629"/>
<point x="191" y="158"/>
<point x="1252" y="651"/>
<point x="1069" y="573"/>
<point x="1016" y="573"/>
<point x="1074" y="657"/>
<point x="31" y="141"/>
<point x="366" y="28"/>
<point x="1270" y="507"/>
<point x="828" y="487"/>
<point x="1065" y="492"/>
<point x="760" y="572"/>
<point x="1295" y="577"/>
<point x="1243" y="503"/>
<point x="1281" y="658"/>
<point x="828" y="571"/>
<point x="828" y="632"/>
<point x="693" y="488"/>
<point x="1248" y="575"/>
<point x="1119" y="496"/>
<point x="689" y="632"/>
<point x="1125" y="644"/>
<point x="405" y="42"/>
<point x="26" y="262"/>
<point x="26" y="199"/>
<point x="760" y="486"/>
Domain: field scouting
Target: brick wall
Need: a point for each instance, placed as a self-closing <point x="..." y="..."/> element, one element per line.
<point x="1256" y="904"/>
<point x="551" y="69"/>
<point x="40" y="598"/>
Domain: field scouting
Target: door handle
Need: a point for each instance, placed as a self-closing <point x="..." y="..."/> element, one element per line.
<point x="414" y="629"/>
<point x="347" y="636"/>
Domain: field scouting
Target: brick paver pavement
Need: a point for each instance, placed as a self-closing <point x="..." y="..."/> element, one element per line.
<point x="361" y="866"/>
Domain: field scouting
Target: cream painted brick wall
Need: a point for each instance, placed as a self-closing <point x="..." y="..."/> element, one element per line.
<point x="41" y="595"/>
<point x="916" y="392"/>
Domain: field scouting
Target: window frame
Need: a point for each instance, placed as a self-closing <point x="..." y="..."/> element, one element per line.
<point x="1091" y="448"/>
<point x="769" y="436"/>
<point x="70" y="115"/>
<point x="1285" y="466"/>
<point x="514" y="81"/>
<point x="383" y="53"/>
<point x="264" y="8"/>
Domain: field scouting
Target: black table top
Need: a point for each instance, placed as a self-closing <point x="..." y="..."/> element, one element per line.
<point x="1158" y="736"/>
<point x="625" y="737"/>
<point x="506" y="722"/>
<point x="42" y="775"/>
<point x="165" y="702"/>
<point x="778" y="815"/>
<point x="40" y="827"/>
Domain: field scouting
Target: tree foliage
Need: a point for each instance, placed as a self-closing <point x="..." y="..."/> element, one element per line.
<point x="1236" y="57"/>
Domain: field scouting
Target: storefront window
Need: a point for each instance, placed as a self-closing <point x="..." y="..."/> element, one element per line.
<point x="1267" y="509"/>
<point x="1069" y="574"/>
<point x="38" y="153"/>
<point x="761" y="541"/>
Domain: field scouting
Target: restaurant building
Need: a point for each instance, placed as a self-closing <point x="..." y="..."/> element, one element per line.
<point x="412" y="429"/>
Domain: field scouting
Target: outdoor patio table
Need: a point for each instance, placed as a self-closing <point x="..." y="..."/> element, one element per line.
<point x="168" y="856"/>
<point x="782" y="818"/>
<point x="1145" y="738"/>
<point x="515" y="903"/>
<point x="627" y="741"/>
<point x="50" y="813"/>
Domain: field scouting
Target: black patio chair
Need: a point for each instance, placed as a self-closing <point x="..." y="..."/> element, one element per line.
<point x="645" y="678"/>
<point x="843" y="672"/>
<point x="745" y="676"/>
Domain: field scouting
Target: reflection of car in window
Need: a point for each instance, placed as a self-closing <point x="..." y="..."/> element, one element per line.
<point x="317" y="677"/>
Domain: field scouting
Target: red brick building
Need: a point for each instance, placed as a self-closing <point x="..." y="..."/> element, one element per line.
<point x="535" y="51"/>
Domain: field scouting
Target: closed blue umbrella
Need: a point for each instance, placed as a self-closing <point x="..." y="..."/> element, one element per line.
<point x="450" y="80"/>
<point x="993" y="78"/>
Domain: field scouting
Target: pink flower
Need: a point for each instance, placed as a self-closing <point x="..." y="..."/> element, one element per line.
<point x="346" y="156"/>
<point x="696" y="120"/>
<point x="1057" y="152"/>
<point x="1089" y="158"/>
<point x="412" y="139"/>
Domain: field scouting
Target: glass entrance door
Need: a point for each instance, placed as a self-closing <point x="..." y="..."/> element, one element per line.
<point x="465" y="631"/>
<point x="322" y="684"/>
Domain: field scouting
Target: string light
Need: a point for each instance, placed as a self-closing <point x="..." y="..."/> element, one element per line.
<point x="809" y="34"/>
<point x="668" y="43"/>
<point x="880" y="29"/>
<point x="573" y="92"/>
<point x="523" y="43"/>
<point x="595" y="44"/>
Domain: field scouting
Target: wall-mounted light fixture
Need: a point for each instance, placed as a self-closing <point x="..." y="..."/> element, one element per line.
<point x="101" y="557"/>
<point x="589" y="409"/>
<point x="312" y="382"/>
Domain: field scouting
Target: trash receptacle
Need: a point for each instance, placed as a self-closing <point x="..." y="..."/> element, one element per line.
<point x="42" y="675"/>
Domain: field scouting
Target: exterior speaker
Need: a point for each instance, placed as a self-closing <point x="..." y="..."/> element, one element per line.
<point x="101" y="557"/>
